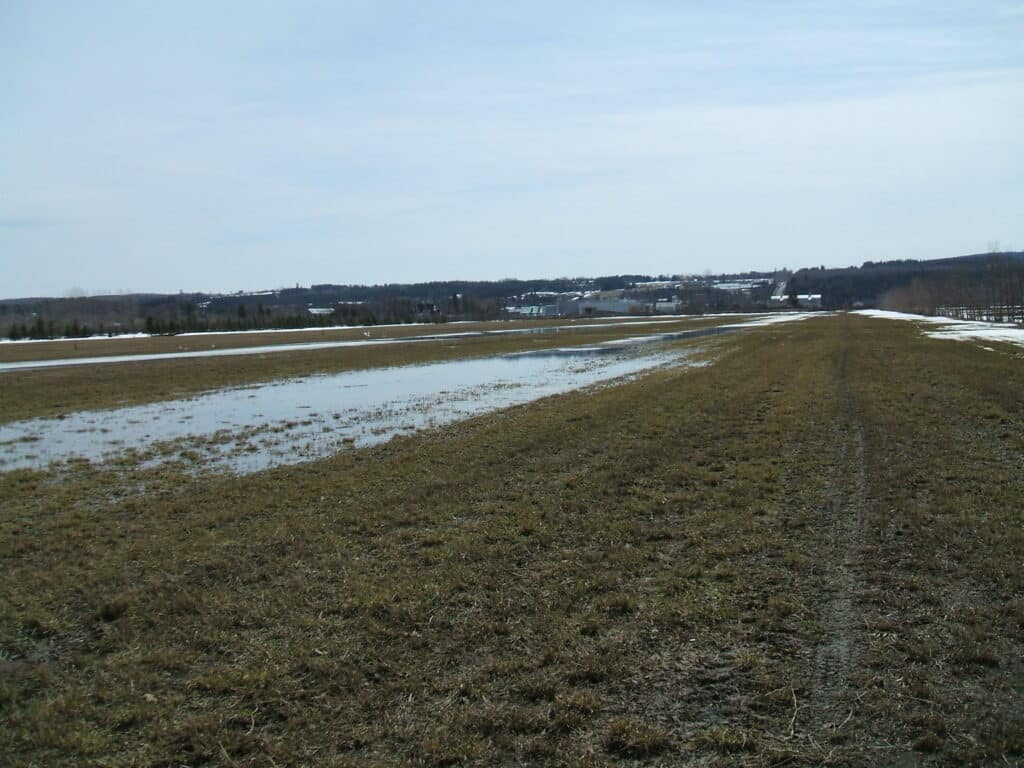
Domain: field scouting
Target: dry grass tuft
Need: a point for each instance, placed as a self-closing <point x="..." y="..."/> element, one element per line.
<point x="632" y="738"/>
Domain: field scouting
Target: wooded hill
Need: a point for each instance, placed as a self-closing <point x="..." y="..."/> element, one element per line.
<point x="982" y="286"/>
<point x="921" y="286"/>
<point x="325" y="304"/>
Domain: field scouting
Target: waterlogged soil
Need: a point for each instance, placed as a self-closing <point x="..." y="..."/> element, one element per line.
<point x="285" y="422"/>
<point x="63" y="390"/>
<point x="804" y="554"/>
<point x="298" y="419"/>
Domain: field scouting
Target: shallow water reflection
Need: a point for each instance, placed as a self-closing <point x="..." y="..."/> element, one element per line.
<point x="294" y="420"/>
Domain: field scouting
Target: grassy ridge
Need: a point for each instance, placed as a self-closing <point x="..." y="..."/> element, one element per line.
<point x="806" y="553"/>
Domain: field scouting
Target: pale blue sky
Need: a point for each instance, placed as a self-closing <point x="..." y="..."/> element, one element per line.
<point x="224" y="146"/>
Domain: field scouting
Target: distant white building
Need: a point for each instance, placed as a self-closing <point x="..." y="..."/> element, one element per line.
<point x="803" y="301"/>
<point x="744" y="286"/>
<point x="657" y="284"/>
<point x="534" y="310"/>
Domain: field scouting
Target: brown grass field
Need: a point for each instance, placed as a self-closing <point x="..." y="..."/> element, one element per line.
<point x="808" y="553"/>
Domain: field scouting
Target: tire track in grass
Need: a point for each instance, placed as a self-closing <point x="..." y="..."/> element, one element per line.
<point x="831" y="702"/>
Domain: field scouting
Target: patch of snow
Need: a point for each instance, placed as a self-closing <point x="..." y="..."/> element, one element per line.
<point x="97" y="337"/>
<point x="888" y="314"/>
<point x="1003" y="334"/>
<point x="780" y="317"/>
<point x="953" y="328"/>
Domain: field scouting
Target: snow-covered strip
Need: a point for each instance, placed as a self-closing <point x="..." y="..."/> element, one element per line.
<point x="306" y="329"/>
<point x="972" y="331"/>
<point x="312" y="329"/>
<point x="240" y="351"/>
<point x="760" y="320"/>
<point x="634" y="319"/>
<point x="888" y="314"/>
<point x="779" y="317"/>
<point x="96" y="337"/>
<point x="953" y="328"/>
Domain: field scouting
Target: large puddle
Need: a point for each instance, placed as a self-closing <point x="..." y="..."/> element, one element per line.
<point x="248" y="429"/>
<point x="290" y="421"/>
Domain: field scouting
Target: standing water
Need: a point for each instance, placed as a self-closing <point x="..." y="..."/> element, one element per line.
<point x="289" y="421"/>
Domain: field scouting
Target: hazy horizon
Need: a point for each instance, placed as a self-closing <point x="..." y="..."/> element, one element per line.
<point x="248" y="146"/>
<point x="76" y="292"/>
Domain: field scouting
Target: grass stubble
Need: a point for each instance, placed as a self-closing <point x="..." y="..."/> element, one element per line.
<point x="808" y="553"/>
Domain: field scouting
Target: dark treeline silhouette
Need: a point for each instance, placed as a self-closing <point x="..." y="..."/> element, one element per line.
<point x="989" y="289"/>
<point x="978" y="286"/>
<point x="973" y="282"/>
<point x="52" y="318"/>
<point x="298" y="307"/>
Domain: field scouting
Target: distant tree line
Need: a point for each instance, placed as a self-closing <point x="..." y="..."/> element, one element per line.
<point x="480" y="290"/>
<point x="977" y="285"/>
<point x="81" y="317"/>
<point x="990" y="289"/>
<point x="298" y="307"/>
<point x="913" y="285"/>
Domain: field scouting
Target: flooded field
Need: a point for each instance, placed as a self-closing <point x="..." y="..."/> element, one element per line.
<point x="249" y="429"/>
